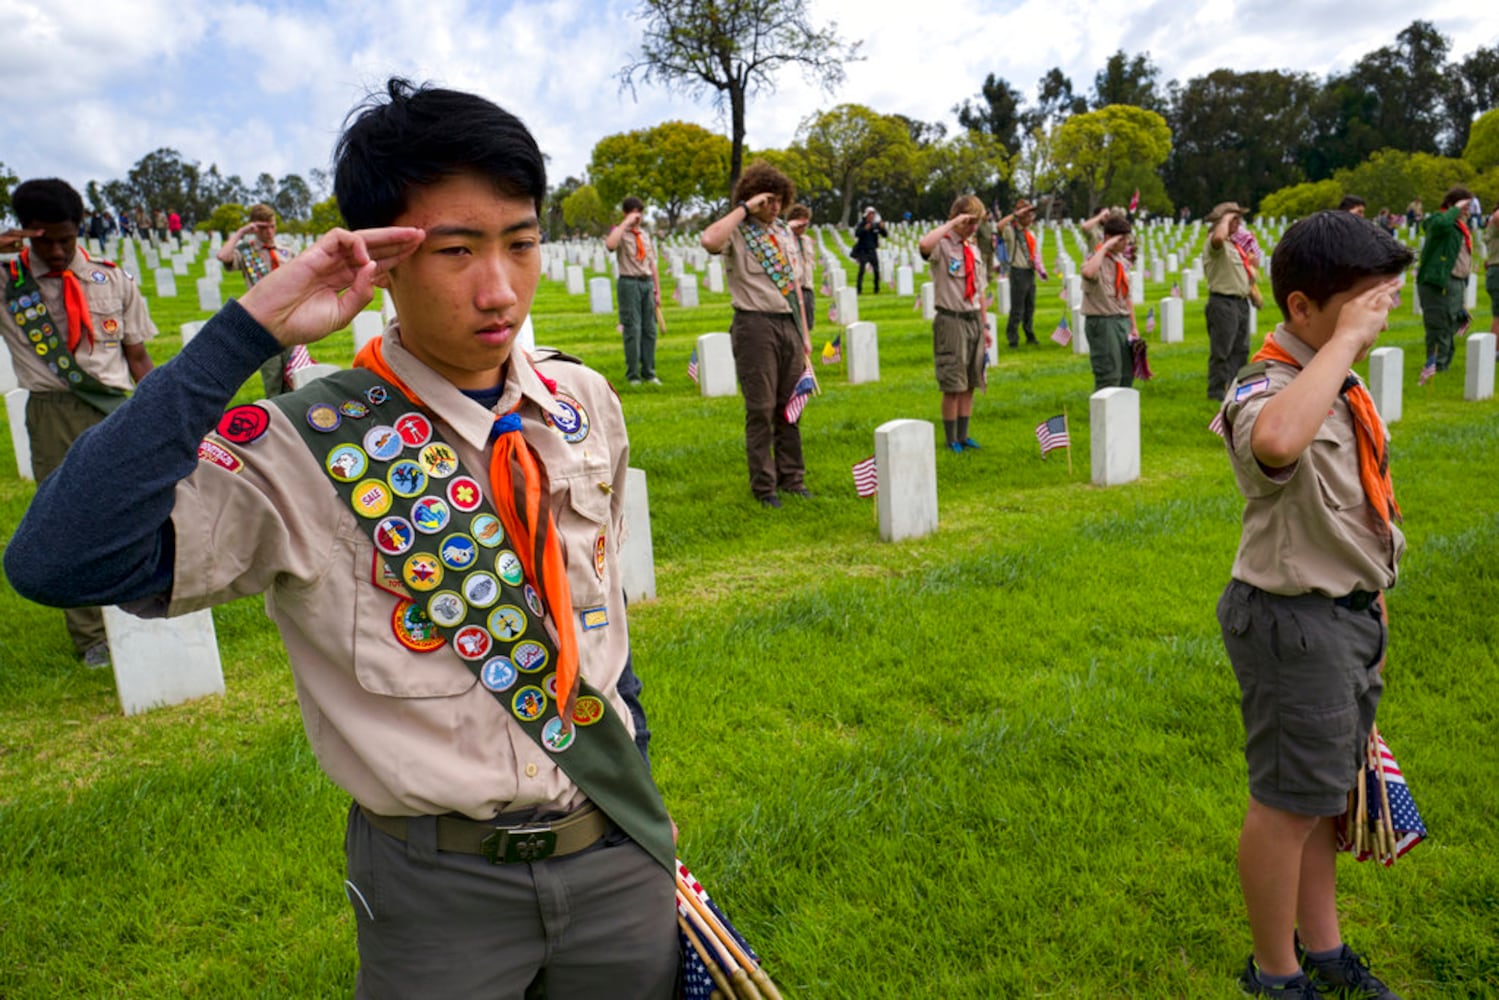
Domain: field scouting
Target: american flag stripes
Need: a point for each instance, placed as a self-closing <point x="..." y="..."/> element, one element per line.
<point x="805" y="386"/>
<point x="300" y="358"/>
<point x="1063" y="333"/>
<point x="692" y="365"/>
<point x="1218" y="425"/>
<point x="1052" y="434"/>
<point x="1404" y="820"/>
<point x="866" y="477"/>
<point x="1428" y="371"/>
<point x="1150" y="320"/>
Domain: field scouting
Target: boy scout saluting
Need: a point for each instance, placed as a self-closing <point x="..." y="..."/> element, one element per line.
<point x="77" y="331"/>
<point x="1303" y="619"/>
<point x="1109" y="313"/>
<point x="436" y="532"/>
<point x="1025" y="261"/>
<point x="253" y="250"/>
<point x="639" y="292"/>
<point x="959" y="333"/>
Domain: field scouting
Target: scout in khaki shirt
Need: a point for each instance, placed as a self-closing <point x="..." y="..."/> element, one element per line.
<point x="1109" y="313"/>
<point x="1303" y="619"/>
<point x="959" y="331"/>
<point x="1231" y="279"/>
<point x="253" y="251"/>
<point x="77" y="331"/>
<point x="772" y="348"/>
<point x="639" y="292"/>
<point x="1024" y="257"/>
<point x="798" y="220"/>
<point x="436" y="532"/>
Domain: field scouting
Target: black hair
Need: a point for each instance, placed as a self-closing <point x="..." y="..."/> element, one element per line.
<point x="1455" y="195"/>
<point x="1330" y="252"/>
<point x="411" y="136"/>
<point x="632" y="204"/>
<point x="1350" y="202"/>
<point x="1116" y="225"/>
<point x="46" y="200"/>
<point x="760" y="177"/>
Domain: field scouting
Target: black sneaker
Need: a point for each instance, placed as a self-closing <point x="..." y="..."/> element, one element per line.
<point x="1300" y="988"/>
<point x="1347" y="975"/>
<point x="771" y="501"/>
<point x="800" y="491"/>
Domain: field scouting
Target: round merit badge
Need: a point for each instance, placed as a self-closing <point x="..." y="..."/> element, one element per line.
<point x="322" y="417"/>
<point x="529" y="657"/>
<point x="243" y="424"/>
<point x="376" y="394"/>
<point x="569" y="418"/>
<point x="413" y="629"/>
<point x="486" y="530"/>
<point x="372" y="498"/>
<point x="507" y="623"/>
<point x="446" y="608"/>
<point x="381" y="441"/>
<point x="529" y="703"/>
<point x="439" y="460"/>
<point x="464" y="494"/>
<point x="554" y="737"/>
<point x="430" y="515"/>
<point x="458" y="552"/>
<point x="498" y="674"/>
<point x="415" y="429"/>
<point x="507" y="564"/>
<point x="353" y="408"/>
<point x="394" y="535"/>
<point x="347" y="462"/>
<point x="587" y="710"/>
<point x="422" y="572"/>
<point x="600" y="551"/>
<point x="111" y="326"/>
<point x="472" y="642"/>
<point x="406" y="478"/>
<point x="481" y="589"/>
<point x="549" y="684"/>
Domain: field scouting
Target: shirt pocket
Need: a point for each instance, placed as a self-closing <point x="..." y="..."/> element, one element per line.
<point x="583" y="528"/>
<point x="382" y="664"/>
<point x="1336" y="463"/>
<point x="106" y="308"/>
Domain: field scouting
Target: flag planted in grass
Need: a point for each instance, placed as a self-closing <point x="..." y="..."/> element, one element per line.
<point x="692" y="365"/>
<point x="1053" y="434"/>
<point x="1150" y="321"/>
<point x="1176" y="290"/>
<point x="1063" y="333"/>
<point x="1382" y="820"/>
<point x="1428" y="371"/>
<point x="1142" y="364"/>
<point x="716" y="960"/>
<point x="805" y="386"/>
<point x="832" y="351"/>
<point x="866" y="477"/>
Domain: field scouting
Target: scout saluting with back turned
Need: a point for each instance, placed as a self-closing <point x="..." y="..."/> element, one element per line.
<point x="1303" y="619"/>
<point x="436" y="533"/>
<point x="77" y="330"/>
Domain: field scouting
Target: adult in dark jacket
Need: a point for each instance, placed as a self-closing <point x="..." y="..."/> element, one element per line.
<point x="1442" y="277"/>
<point x="866" y="247"/>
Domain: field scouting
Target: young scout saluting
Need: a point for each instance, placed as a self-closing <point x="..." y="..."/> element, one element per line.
<point x="639" y="292"/>
<point x="1231" y="277"/>
<point x="436" y="532"/>
<point x="254" y="251"/>
<point x="1303" y="619"/>
<point x="1020" y="248"/>
<point x="1108" y="311"/>
<point x="959" y="335"/>
<point x="1442" y="277"/>
<point x="77" y="331"/>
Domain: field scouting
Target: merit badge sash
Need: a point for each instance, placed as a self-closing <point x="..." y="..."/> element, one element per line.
<point x="441" y="547"/>
<point x="23" y="297"/>
<point x="764" y="244"/>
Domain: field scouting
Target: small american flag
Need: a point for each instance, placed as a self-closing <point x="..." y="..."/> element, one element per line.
<point x="1053" y="434"/>
<point x="1150" y="320"/>
<point x="692" y="365"/>
<point x="697" y="982"/>
<point x="1405" y="819"/>
<point x="805" y="386"/>
<point x="1134" y="202"/>
<point x="832" y="351"/>
<point x="1428" y="371"/>
<point x="1219" y="426"/>
<point x="300" y="358"/>
<point x="1462" y="331"/>
<point x="866" y="477"/>
<point x="1176" y="290"/>
<point x="1063" y="333"/>
<point x="832" y="312"/>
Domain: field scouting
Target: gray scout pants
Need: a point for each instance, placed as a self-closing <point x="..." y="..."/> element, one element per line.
<point x="1228" y="341"/>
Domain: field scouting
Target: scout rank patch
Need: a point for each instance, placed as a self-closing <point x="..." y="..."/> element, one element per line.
<point x="212" y="451"/>
<point x="569" y="419"/>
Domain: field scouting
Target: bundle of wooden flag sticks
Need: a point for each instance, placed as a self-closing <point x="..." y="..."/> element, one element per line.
<point x="717" y="964"/>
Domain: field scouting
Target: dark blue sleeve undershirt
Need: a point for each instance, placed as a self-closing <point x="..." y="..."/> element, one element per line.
<point x="63" y="553"/>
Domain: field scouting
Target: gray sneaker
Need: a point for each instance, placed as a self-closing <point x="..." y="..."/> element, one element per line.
<point x="1300" y="988"/>
<point x="1347" y="975"/>
<point x="653" y="380"/>
<point x="96" y="657"/>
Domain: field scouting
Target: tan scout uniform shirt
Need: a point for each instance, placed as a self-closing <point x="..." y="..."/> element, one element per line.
<point x="948" y="283"/>
<point x="1224" y="269"/>
<point x="1464" y="265"/>
<point x="1491" y="241"/>
<point x="631" y="266"/>
<point x="119" y="315"/>
<point x="750" y="288"/>
<point x="408" y="733"/>
<point x="1308" y="527"/>
<point x="1099" y="296"/>
<point x="1015" y="245"/>
<point x="809" y="262"/>
<point x="283" y="254"/>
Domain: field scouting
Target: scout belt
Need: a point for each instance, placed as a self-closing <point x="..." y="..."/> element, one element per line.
<point x="443" y="546"/>
<point x="23" y="297"/>
<point x="507" y="845"/>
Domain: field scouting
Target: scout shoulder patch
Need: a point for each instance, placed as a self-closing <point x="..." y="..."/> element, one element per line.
<point x="1244" y="390"/>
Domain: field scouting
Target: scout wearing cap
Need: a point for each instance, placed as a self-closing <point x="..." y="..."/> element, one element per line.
<point x="1231" y="279"/>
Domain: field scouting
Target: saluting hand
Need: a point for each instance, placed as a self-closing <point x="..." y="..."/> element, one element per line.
<point x="1366" y="314"/>
<point x="322" y="290"/>
<point x="13" y="240"/>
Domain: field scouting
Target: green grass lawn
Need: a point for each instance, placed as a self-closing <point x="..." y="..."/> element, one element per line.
<point x="999" y="761"/>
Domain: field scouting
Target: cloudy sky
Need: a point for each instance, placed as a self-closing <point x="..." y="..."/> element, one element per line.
<point x="263" y="86"/>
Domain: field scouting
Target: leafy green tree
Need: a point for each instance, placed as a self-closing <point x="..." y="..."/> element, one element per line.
<point x="733" y="49"/>
<point x="673" y="165"/>
<point x="556" y="226"/>
<point x="1475" y="89"/>
<point x="163" y="179"/>
<point x="584" y="211"/>
<point x="264" y="190"/>
<point x="8" y="180"/>
<point x="1392" y="178"/>
<point x="1098" y="147"/>
<point x="1299" y="200"/>
<point x="225" y="218"/>
<point x="1055" y="102"/>
<point x="995" y="112"/>
<point x="1128" y="81"/>
<point x="293" y="198"/>
<point x="325" y="216"/>
<point x="1482" y="149"/>
<point x="854" y="147"/>
<point x="971" y="163"/>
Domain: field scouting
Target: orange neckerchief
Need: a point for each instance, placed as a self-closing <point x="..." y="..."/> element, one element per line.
<point x="1373" y="455"/>
<point x="1467" y="236"/>
<point x="1121" y="280"/>
<point x="271" y="253"/>
<point x="639" y="246"/>
<point x="1248" y="264"/>
<point x="518" y="485"/>
<point x="73" y="301"/>
<point x="970" y="279"/>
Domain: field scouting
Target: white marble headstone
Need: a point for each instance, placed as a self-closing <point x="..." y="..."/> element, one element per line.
<point x="904" y="280"/>
<point x="905" y="456"/>
<point x="716" y="375"/>
<point x="15" y="412"/>
<point x="1171" y="320"/>
<point x="600" y="295"/>
<point x="208" y="295"/>
<point x="367" y="326"/>
<point x="848" y="305"/>
<point x="306" y="376"/>
<point x="1114" y="429"/>
<point x="166" y="283"/>
<point x="715" y="276"/>
<point x="861" y="347"/>
<point x="1079" y="331"/>
<point x="637" y="555"/>
<point x="7" y="373"/>
<point x="575" y="279"/>
<point x="163" y="661"/>
<point x="1386" y="380"/>
<point x="1478" y="380"/>
<point x="1002" y="296"/>
<point x="190" y="330"/>
<point x="928" y="301"/>
<point x="687" y="291"/>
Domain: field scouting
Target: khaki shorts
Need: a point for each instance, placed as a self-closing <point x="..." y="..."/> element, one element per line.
<point x="1306" y="670"/>
<point x="958" y="346"/>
